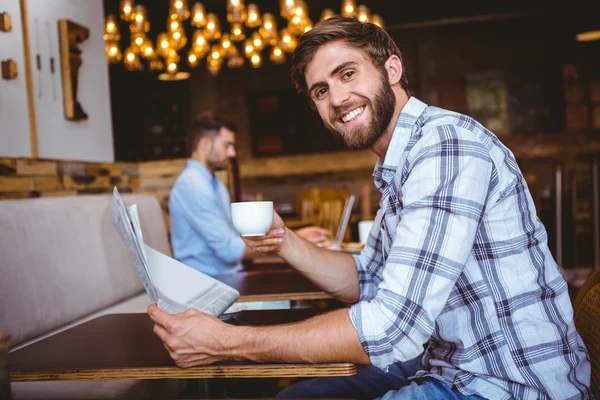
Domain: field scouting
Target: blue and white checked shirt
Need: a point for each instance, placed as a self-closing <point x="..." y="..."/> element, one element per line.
<point x="202" y="231"/>
<point x="457" y="263"/>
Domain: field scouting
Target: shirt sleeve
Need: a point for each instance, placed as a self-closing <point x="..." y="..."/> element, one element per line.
<point x="443" y="200"/>
<point x="199" y="207"/>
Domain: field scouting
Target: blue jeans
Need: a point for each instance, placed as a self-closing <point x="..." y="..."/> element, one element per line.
<point x="370" y="382"/>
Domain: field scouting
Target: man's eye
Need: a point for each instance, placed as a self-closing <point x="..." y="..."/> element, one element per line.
<point x="320" y="93"/>
<point x="348" y="74"/>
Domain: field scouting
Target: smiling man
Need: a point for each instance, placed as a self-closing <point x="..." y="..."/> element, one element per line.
<point x="455" y="295"/>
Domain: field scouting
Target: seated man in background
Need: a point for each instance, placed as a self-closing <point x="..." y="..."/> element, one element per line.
<point x="202" y="232"/>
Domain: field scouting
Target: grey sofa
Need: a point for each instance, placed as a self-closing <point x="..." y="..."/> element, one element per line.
<point x="63" y="263"/>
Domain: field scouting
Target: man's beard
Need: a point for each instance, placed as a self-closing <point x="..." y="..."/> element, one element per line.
<point x="216" y="163"/>
<point x="382" y="109"/>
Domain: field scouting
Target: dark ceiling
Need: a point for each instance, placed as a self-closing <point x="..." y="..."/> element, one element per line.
<point x="402" y="14"/>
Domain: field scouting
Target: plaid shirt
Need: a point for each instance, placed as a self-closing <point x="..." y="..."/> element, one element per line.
<point x="457" y="264"/>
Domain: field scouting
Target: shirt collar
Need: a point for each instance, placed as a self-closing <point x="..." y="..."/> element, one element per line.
<point x="411" y="112"/>
<point x="200" y="168"/>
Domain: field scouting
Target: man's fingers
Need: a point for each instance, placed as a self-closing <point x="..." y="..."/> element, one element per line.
<point x="160" y="332"/>
<point x="159" y="316"/>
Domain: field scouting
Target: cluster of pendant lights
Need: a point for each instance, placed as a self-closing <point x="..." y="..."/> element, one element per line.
<point x="249" y="33"/>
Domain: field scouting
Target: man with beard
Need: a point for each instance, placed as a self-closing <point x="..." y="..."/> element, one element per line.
<point x="455" y="296"/>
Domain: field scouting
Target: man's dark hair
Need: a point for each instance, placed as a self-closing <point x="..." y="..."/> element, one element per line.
<point x="230" y="126"/>
<point x="375" y="42"/>
<point x="204" y="126"/>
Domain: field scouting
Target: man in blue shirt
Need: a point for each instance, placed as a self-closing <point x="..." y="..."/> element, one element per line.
<point x="202" y="231"/>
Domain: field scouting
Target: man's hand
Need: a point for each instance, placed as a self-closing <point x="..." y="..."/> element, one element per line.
<point x="314" y="234"/>
<point x="192" y="337"/>
<point x="272" y="241"/>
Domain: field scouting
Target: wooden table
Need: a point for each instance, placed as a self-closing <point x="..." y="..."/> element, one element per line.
<point x="273" y="285"/>
<point x="123" y="346"/>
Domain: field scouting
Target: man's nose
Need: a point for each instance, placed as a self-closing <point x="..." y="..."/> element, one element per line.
<point x="231" y="153"/>
<point x="338" y="95"/>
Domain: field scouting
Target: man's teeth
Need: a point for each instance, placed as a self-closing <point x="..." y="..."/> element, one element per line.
<point x="353" y="114"/>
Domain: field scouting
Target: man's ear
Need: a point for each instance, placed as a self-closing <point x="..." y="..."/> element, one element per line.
<point x="204" y="143"/>
<point x="394" y="69"/>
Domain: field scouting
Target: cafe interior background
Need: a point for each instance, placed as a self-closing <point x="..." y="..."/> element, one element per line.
<point x="528" y="70"/>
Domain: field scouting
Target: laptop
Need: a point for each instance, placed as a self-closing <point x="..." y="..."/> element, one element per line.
<point x="343" y="224"/>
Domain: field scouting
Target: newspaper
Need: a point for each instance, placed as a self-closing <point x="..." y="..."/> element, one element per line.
<point x="173" y="286"/>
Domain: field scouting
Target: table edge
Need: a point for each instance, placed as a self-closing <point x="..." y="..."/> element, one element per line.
<point x="208" y="371"/>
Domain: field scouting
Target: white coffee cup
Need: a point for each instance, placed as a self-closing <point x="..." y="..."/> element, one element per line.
<point x="364" y="227"/>
<point x="252" y="218"/>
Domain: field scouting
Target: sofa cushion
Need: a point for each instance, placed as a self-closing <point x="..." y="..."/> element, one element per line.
<point x="87" y="390"/>
<point x="61" y="260"/>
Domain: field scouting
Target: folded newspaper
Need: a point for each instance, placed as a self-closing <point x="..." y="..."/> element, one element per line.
<point x="173" y="286"/>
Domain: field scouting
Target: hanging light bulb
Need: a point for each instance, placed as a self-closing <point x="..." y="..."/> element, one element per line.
<point x="177" y="39"/>
<point x="300" y="9"/>
<point x="216" y="52"/>
<point x="296" y="25"/>
<point x="377" y="20"/>
<point x="139" y="20"/>
<point x="214" y="64"/>
<point x="173" y="25"/>
<point x="193" y="58"/>
<point x="286" y="7"/>
<point x="111" y="29"/>
<point x="288" y="41"/>
<point x="248" y="47"/>
<point x="113" y="52"/>
<point x="364" y="15"/>
<point x="277" y="55"/>
<point x="326" y="14"/>
<point x="228" y="47"/>
<point x="132" y="61"/>
<point x="200" y="44"/>
<point x="233" y="5"/>
<point x="348" y="8"/>
<point x="179" y="9"/>
<point x="137" y="40"/>
<point x="253" y="19"/>
<point x="126" y="10"/>
<point x="237" y="32"/>
<point x="198" y="15"/>
<point x="255" y="60"/>
<point x="172" y="68"/>
<point x="162" y="43"/>
<point x="213" y="29"/>
<point x="268" y="30"/>
<point x="257" y="42"/>
<point x="147" y="50"/>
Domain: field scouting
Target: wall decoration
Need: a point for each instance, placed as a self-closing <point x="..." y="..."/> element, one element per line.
<point x="70" y="35"/>
<point x="9" y="69"/>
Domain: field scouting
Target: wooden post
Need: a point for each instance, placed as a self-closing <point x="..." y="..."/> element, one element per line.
<point x="596" y="212"/>
<point x="365" y="204"/>
<point x="5" y="393"/>
<point x="558" y="210"/>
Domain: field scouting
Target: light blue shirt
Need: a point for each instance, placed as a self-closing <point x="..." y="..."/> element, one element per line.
<point x="202" y="231"/>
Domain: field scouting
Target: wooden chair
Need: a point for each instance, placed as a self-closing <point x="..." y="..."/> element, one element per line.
<point x="4" y="376"/>
<point x="323" y="206"/>
<point x="587" y="321"/>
